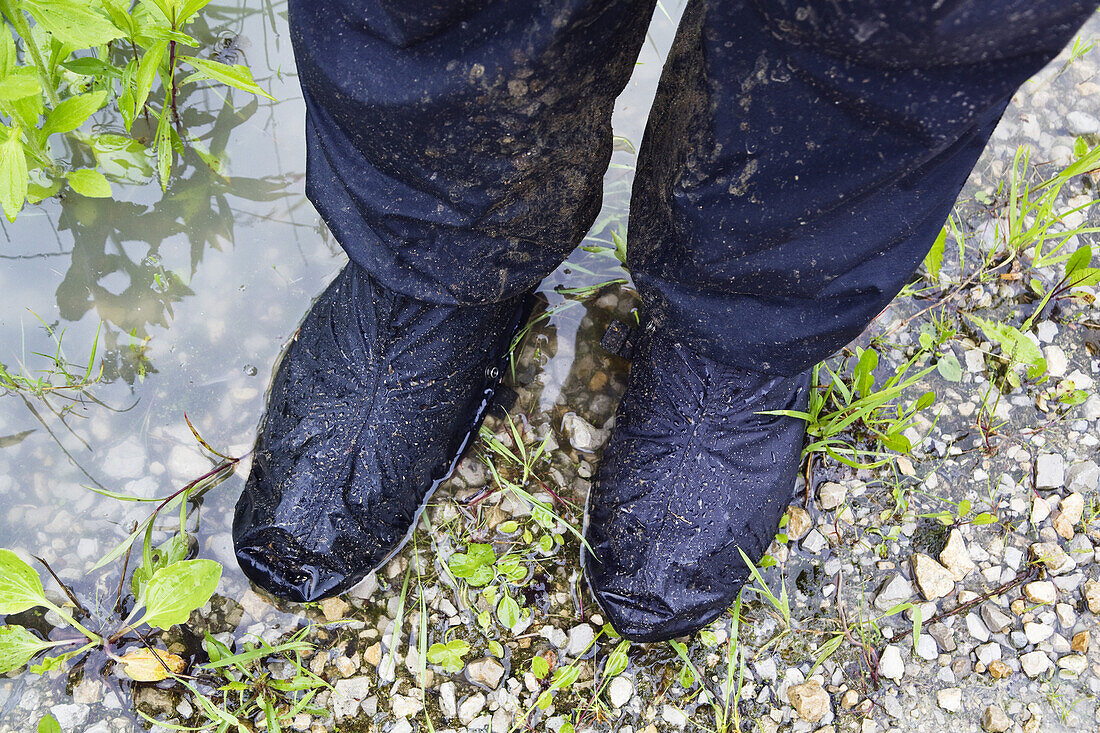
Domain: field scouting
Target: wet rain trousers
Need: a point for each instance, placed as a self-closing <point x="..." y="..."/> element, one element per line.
<point x="799" y="160"/>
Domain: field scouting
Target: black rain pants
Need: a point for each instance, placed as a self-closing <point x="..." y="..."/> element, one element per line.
<point x="798" y="162"/>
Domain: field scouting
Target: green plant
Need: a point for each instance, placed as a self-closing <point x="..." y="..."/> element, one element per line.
<point x="843" y="412"/>
<point x="59" y="378"/>
<point x="78" y="56"/>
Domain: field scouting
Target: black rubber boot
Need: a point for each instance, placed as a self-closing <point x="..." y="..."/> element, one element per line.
<point x="692" y="473"/>
<point x="372" y="403"/>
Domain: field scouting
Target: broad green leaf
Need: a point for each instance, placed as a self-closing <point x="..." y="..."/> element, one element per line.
<point x="1078" y="259"/>
<point x="539" y="666"/>
<point x="508" y="611"/>
<point x="13" y="175"/>
<point x="17" y="647"/>
<point x="20" y="586"/>
<point x="73" y="22"/>
<point x="617" y="660"/>
<point x="91" y="66"/>
<point x="236" y="76"/>
<point x="564" y="677"/>
<point x="177" y="590"/>
<point x="90" y="182"/>
<point x="949" y="368"/>
<point x="449" y="655"/>
<point x="19" y="84"/>
<point x="74" y="112"/>
<point x="49" y="724"/>
<point x="1085" y="276"/>
<point x="146" y="71"/>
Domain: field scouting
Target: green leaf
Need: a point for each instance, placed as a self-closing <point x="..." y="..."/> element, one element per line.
<point x="564" y="677"/>
<point x="164" y="146"/>
<point x="617" y="660"/>
<point x="934" y="259"/>
<point x="13" y="174"/>
<point x="236" y="76"/>
<point x="49" y="724"/>
<point x="19" y="84"/>
<point x="8" y="58"/>
<point x="74" y="112"/>
<point x="143" y="77"/>
<point x="449" y="655"/>
<point x="91" y="66"/>
<point x="1014" y="344"/>
<point x="73" y="22"/>
<point x="949" y="368"/>
<point x="90" y="182"/>
<point x="1079" y="259"/>
<point x="177" y="590"/>
<point x="508" y="611"/>
<point x="539" y="666"/>
<point x="17" y="647"/>
<point x="188" y="10"/>
<point x="20" y="586"/>
<point x="983" y="518"/>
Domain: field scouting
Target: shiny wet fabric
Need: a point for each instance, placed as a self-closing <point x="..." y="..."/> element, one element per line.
<point x="371" y="404"/>
<point x="693" y="476"/>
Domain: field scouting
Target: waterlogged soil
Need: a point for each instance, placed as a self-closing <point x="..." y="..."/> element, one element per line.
<point x="193" y="295"/>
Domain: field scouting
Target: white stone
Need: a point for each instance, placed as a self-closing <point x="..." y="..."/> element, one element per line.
<point x="830" y="495"/>
<point x="1056" y="361"/>
<point x="1040" y="510"/>
<point x="977" y="628"/>
<point x="1083" y="477"/>
<point x="347" y="694"/>
<point x="950" y="699"/>
<point x="975" y="361"/>
<point x="926" y="648"/>
<point x="1053" y="557"/>
<point x="1075" y="663"/>
<point x="815" y="542"/>
<point x="955" y="556"/>
<point x="1036" y="632"/>
<point x="1046" y="331"/>
<point x="620" y="691"/>
<point x="1041" y="591"/>
<point x="580" y="637"/>
<point x="810" y="700"/>
<point x="471" y="707"/>
<point x="1082" y="123"/>
<point x="933" y="579"/>
<point x="1034" y="663"/>
<point x="673" y="716"/>
<point x="403" y="706"/>
<point x="582" y="434"/>
<point x="890" y="664"/>
<point x="486" y="672"/>
<point x="70" y="715"/>
<point x="1050" y="471"/>
<point x="995" y="720"/>
<point x="1069" y="515"/>
<point x="447" y="704"/>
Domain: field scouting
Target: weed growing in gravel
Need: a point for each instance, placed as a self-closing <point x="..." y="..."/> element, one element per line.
<point x="58" y="378"/>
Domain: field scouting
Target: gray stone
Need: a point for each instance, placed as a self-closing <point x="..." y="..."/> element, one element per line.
<point x="580" y="637"/>
<point x="1053" y="557"/>
<point x="347" y="694"/>
<point x="830" y="495"/>
<point x="447" y="704"/>
<point x="995" y="619"/>
<point x="994" y="720"/>
<point x="70" y="715"/>
<point x="1050" y="471"/>
<point x="1083" y="477"/>
<point x="895" y="590"/>
<point x="582" y="434"/>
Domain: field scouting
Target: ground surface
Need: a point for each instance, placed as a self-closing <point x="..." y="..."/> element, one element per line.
<point x="1006" y="584"/>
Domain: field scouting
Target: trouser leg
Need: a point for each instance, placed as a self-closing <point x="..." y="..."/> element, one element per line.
<point x="457" y="150"/>
<point x="802" y="156"/>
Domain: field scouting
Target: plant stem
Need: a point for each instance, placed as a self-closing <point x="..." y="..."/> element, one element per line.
<point x="72" y="621"/>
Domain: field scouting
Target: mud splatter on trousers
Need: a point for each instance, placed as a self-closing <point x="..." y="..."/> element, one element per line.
<point x="799" y="159"/>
